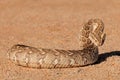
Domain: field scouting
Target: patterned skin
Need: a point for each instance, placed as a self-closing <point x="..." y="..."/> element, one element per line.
<point x="91" y="36"/>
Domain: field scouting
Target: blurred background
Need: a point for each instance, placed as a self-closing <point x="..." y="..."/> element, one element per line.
<point x="56" y="24"/>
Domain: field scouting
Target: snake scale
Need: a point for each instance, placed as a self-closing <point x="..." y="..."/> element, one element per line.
<point x="90" y="38"/>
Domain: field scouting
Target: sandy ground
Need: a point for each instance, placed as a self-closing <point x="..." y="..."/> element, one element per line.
<point x="56" y="24"/>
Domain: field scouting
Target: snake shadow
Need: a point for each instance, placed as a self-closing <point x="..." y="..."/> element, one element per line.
<point x="104" y="56"/>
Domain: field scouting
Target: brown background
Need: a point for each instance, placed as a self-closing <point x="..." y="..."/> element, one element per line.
<point x="56" y="24"/>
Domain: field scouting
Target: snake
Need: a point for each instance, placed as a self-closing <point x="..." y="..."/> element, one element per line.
<point x="91" y="36"/>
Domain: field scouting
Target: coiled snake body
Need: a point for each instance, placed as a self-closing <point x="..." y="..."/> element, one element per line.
<point x="91" y="36"/>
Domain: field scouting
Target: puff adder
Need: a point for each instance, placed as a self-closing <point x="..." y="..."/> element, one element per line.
<point x="91" y="36"/>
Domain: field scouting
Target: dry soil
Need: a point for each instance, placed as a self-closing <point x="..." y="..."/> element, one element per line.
<point x="56" y="24"/>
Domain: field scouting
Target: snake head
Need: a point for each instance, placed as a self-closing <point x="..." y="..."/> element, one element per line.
<point x="97" y="35"/>
<point x="92" y="33"/>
